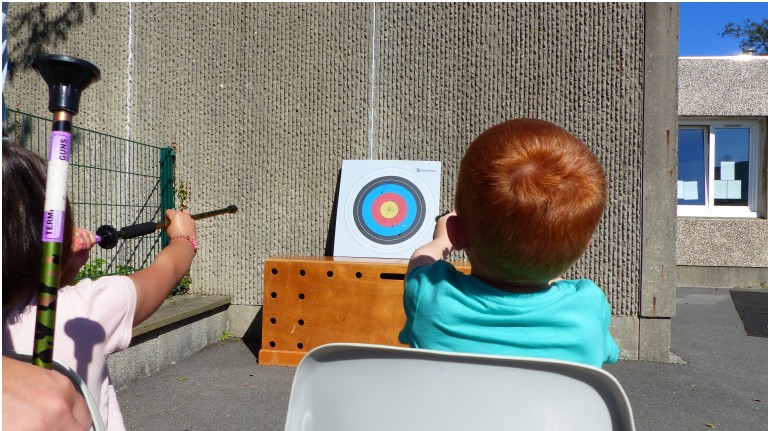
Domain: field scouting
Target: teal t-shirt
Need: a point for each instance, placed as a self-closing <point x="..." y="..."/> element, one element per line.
<point x="450" y="311"/>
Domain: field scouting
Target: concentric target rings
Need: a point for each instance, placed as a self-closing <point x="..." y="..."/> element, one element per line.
<point x="389" y="210"/>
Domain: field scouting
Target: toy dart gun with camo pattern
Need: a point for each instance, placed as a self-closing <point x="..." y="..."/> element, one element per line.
<point x="66" y="77"/>
<point x="107" y="236"/>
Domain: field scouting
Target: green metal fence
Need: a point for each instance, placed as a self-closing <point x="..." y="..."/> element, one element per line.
<point x="112" y="181"/>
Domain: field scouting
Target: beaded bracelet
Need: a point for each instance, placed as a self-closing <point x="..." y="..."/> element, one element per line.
<point x="192" y="240"/>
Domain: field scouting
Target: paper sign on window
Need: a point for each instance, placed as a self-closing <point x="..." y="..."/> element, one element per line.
<point x="727" y="189"/>
<point x="727" y="171"/>
<point x="690" y="190"/>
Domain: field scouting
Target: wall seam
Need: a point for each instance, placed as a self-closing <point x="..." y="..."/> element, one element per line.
<point x="128" y="77"/>
<point x="373" y="112"/>
<point x="128" y="83"/>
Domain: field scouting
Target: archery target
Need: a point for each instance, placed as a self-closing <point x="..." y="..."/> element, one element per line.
<point x="386" y="208"/>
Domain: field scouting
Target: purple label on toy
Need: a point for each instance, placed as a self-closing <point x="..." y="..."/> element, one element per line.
<point x="60" y="146"/>
<point x="53" y="226"/>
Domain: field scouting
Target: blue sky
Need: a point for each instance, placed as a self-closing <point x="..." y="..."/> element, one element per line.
<point x="702" y="23"/>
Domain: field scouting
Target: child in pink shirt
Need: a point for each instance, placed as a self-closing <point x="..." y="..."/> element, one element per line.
<point x="94" y="318"/>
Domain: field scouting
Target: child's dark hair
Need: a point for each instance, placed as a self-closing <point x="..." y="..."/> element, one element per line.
<point x="24" y="174"/>
<point x="529" y="196"/>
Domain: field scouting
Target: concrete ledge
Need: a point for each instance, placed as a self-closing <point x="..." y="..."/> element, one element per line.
<point x="655" y="339"/>
<point x="721" y="276"/>
<point x="626" y="332"/>
<point x="182" y="326"/>
<point x="178" y="308"/>
<point x="245" y="321"/>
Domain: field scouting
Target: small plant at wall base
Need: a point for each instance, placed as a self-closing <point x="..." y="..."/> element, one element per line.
<point x="92" y="269"/>
<point x="182" y="288"/>
<point x="95" y="269"/>
<point x="182" y="193"/>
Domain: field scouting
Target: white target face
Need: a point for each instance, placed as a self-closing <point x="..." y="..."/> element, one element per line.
<point x="386" y="208"/>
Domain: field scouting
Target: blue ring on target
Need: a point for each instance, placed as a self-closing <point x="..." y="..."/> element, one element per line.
<point x="377" y="233"/>
<point x="389" y="231"/>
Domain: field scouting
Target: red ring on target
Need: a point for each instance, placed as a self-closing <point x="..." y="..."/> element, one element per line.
<point x="378" y="208"/>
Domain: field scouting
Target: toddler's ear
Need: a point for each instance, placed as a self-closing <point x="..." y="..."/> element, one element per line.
<point x="456" y="232"/>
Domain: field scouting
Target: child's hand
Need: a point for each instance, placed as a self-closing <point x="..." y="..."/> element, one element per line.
<point x="83" y="241"/>
<point x="444" y="241"/>
<point x="441" y="226"/>
<point x="181" y="223"/>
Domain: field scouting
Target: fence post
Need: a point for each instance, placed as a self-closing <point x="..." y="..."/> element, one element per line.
<point x="167" y="182"/>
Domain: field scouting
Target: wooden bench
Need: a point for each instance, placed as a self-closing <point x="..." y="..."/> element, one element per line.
<point x="311" y="301"/>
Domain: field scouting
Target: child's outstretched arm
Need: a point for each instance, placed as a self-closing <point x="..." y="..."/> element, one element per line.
<point x="154" y="283"/>
<point x="442" y="244"/>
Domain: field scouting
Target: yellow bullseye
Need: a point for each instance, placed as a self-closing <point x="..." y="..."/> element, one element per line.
<point x="389" y="209"/>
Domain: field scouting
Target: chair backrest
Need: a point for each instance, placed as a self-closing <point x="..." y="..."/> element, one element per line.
<point x="61" y="367"/>
<point x="369" y="387"/>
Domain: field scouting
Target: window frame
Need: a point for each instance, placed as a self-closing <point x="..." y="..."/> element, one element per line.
<point x="709" y="209"/>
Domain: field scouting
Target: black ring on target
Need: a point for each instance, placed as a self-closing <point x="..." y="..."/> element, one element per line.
<point x="400" y="233"/>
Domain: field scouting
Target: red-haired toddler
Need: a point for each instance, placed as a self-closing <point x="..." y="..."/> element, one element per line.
<point x="529" y="196"/>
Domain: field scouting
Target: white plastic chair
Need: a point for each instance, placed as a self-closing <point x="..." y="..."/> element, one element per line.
<point x="61" y="367"/>
<point x="356" y="387"/>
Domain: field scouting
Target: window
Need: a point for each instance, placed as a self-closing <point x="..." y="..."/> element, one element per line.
<point x="718" y="172"/>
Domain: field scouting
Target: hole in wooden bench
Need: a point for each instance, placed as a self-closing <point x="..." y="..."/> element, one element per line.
<point x="301" y="296"/>
<point x="274" y="271"/>
<point x="359" y="274"/>
<point x="273" y="320"/>
<point x="330" y="273"/>
<point x="273" y="294"/>
<point x="271" y="344"/>
<point x="301" y="322"/>
<point x="391" y="276"/>
<point x="302" y="273"/>
<point x="300" y="346"/>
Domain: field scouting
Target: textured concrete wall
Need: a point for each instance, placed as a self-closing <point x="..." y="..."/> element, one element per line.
<point x="726" y="87"/>
<point x="265" y="100"/>
<point x="722" y="242"/>
<point x="722" y="87"/>
<point x="89" y="31"/>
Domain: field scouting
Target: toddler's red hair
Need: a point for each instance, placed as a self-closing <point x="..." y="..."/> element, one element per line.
<point x="529" y="196"/>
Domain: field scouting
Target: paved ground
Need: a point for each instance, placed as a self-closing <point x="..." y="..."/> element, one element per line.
<point x="723" y="385"/>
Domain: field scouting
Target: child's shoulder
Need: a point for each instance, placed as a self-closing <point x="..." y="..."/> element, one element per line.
<point x="105" y="299"/>
<point x="581" y="286"/>
<point x="103" y="282"/>
<point x="103" y="288"/>
<point x="438" y="272"/>
<point x="438" y="266"/>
